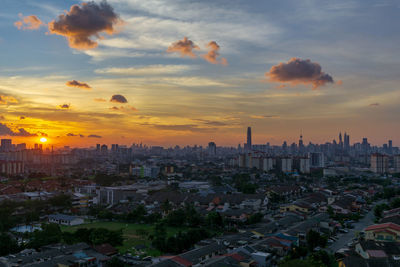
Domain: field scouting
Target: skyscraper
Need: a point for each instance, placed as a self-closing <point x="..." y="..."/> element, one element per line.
<point x="248" y="144"/>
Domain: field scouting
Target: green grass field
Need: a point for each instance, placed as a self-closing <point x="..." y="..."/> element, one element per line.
<point x="134" y="234"/>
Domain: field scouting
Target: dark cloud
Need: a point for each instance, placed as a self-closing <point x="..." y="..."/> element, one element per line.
<point x="2" y="117"/>
<point x="81" y="135"/>
<point x="5" y="130"/>
<point x="84" y="22"/>
<point x="299" y="71"/>
<point x="94" y="136"/>
<point x="126" y="109"/>
<point x="71" y="134"/>
<point x="75" y="83"/>
<point x="184" y="47"/>
<point x="118" y="99"/>
<point x="22" y="118"/>
<point x="374" y="104"/>
<point x="65" y="106"/>
<point x="31" y="22"/>
<point x="213" y="54"/>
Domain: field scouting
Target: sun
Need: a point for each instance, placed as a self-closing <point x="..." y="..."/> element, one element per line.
<point x="43" y="139"/>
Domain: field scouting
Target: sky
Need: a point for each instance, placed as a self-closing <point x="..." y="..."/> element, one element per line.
<point x="166" y="72"/>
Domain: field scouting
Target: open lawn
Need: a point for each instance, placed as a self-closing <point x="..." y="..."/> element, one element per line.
<point x="134" y="234"/>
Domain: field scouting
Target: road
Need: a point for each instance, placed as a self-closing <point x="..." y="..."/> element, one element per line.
<point x="345" y="238"/>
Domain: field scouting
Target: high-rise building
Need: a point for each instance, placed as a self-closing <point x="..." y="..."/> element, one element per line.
<point x="379" y="163"/>
<point x="248" y="145"/>
<point x="212" y="149"/>
<point x="6" y="144"/>
<point x="317" y="159"/>
<point x="346" y="144"/>
<point x="301" y="144"/>
<point x="396" y="163"/>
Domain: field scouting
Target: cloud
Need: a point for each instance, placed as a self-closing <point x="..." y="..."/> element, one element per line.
<point x="213" y="54"/>
<point x="71" y="134"/>
<point x="374" y="104"/>
<point x="263" y="116"/>
<point x="118" y="99"/>
<point x="299" y="71"/>
<point x="6" y="100"/>
<point x="146" y="70"/>
<point x="184" y="47"/>
<point x="65" y="106"/>
<point x="100" y="100"/>
<point x="94" y="136"/>
<point x="22" y="118"/>
<point x="31" y="22"/>
<point x="75" y="83"/>
<point x="5" y="130"/>
<point x="127" y="109"/>
<point x="2" y="117"/>
<point x="84" y="22"/>
<point x="183" y="128"/>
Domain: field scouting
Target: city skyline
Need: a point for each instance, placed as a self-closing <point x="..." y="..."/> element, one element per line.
<point x="342" y="139"/>
<point x="147" y="72"/>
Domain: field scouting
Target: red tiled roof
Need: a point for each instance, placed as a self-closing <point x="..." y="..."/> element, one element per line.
<point x="235" y="256"/>
<point x="182" y="261"/>
<point x="383" y="226"/>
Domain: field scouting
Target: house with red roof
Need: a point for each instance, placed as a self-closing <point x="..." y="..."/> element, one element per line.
<point x="383" y="232"/>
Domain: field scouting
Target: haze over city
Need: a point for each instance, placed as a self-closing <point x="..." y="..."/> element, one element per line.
<point x="187" y="72"/>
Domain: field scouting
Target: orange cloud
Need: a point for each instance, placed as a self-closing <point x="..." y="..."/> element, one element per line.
<point x="100" y="100"/>
<point x="31" y="22"/>
<point x="78" y="84"/>
<point x="213" y="54"/>
<point x="5" y="100"/>
<point x="84" y="22"/>
<point x="299" y="71"/>
<point x="184" y="47"/>
<point x="374" y="104"/>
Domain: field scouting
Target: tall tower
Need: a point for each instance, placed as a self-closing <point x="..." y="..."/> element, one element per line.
<point x="249" y="145"/>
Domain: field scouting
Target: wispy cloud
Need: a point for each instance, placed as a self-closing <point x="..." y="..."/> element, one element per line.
<point x="146" y="70"/>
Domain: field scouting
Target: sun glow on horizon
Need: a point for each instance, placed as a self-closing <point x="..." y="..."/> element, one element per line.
<point x="43" y="139"/>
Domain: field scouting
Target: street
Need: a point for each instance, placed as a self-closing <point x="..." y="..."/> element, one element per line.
<point x="344" y="238"/>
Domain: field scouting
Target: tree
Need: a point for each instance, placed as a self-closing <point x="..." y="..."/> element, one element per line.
<point x="115" y="262"/>
<point x="8" y="244"/>
<point x="330" y="211"/>
<point x="378" y="210"/>
<point x="215" y="220"/>
<point x="395" y="203"/>
<point x="166" y="206"/>
<point x="255" y="218"/>
<point x="176" y="218"/>
<point x="50" y="234"/>
<point x="314" y="239"/>
<point x="300" y="263"/>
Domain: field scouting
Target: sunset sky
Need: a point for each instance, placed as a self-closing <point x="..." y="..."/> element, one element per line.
<point x="166" y="72"/>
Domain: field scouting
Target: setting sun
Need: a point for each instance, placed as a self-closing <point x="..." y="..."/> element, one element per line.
<point x="43" y="139"/>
